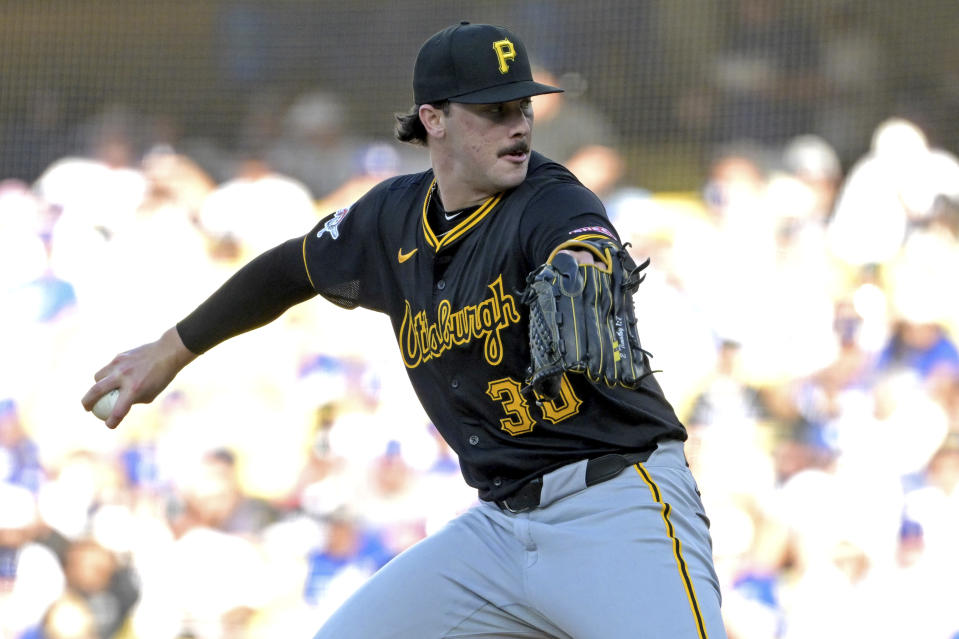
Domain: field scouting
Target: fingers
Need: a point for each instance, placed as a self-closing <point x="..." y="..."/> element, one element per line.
<point x="120" y="409"/>
<point x="98" y="390"/>
<point x="108" y="378"/>
<point x="106" y="370"/>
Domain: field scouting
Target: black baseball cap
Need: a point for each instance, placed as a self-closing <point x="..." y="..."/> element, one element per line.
<point x="474" y="64"/>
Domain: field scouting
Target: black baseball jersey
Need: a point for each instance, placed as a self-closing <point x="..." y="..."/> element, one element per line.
<point x="462" y="331"/>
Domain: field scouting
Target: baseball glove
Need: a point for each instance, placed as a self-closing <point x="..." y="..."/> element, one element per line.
<point x="582" y="319"/>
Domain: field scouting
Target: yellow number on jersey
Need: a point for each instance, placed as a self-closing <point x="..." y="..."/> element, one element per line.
<point x="519" y="420"/>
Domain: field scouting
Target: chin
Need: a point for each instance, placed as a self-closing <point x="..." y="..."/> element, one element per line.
<point x="512" y="177"/>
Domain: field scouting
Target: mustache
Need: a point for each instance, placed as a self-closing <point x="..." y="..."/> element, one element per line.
<point x="519" y="147"/>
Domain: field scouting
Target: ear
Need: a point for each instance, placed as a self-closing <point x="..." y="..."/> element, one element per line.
<point x="434" y="120"/>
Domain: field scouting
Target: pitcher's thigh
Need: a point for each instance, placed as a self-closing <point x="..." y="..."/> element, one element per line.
<point x="459" y="582"/>
<point x="638" y="566"/>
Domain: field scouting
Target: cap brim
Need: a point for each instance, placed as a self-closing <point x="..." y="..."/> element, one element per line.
<point x="505" y="93"/>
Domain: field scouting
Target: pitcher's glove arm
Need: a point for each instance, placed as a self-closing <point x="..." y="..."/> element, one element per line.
<point x="582" y="318"/>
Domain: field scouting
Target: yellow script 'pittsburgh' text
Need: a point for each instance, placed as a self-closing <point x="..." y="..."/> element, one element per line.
<point x="422" y="340"/>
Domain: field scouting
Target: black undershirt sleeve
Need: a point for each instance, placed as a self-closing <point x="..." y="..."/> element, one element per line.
<point x="254" y="296"/>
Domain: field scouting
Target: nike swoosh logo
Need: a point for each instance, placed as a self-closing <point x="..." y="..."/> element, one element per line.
<point x="402" y="257"/>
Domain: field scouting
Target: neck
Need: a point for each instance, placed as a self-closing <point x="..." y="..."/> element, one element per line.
<point x="455" y="190"/>
<point x="453" y="199"/>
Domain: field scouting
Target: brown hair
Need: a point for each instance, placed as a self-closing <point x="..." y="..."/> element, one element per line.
<point x="409" y="128"/>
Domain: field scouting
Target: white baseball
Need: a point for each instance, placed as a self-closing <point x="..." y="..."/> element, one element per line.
<point x="105" y="404"/>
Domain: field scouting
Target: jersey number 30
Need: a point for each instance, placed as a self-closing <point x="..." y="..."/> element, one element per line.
<point x="519" y="420"/>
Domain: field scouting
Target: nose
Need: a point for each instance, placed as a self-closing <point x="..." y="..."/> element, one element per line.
<point x="520" y="131"/>
<point x="521" y="123"/>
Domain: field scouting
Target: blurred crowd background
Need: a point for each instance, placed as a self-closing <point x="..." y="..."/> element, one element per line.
<point x="790" y="167"/>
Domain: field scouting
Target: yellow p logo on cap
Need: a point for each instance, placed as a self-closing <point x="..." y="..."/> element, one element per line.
<point x="504" y="52"/>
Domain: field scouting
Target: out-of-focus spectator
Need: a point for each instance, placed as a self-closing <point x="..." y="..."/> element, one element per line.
<point x="799" y="445"/>
<point x="854" y="583"/>
<point x="765" y="558"/>
<point x="31" y="293"/>
<point x="934" y="504"/>
<point x="926" y="553"/>
<point x="31" y="578"/>
<point x="325" y="484"/>
<point x="922" y="345"/>
<point x="255" y="210"/>
<point x="393" y="501"/>
<point x="214" y="498"/>
<point x="262" y="122"/>
<point x="442" y="485"/>
<point x="375" y="163"/>
<point x="922" y="316"/>
<point x="445" y="462"/>
<point x="350" y="554"/>
<point x="892" y="187"/>
<point x="667" y="229"/>
<point x="174" y="181"/>
<point x="720" y="264"/>
<point x="210" y="587"/>
<point x="68" y="618"/>
<point x="913" y="590"/>
<point x="320" y="465"/>
<point x="820" y="398"/>
<point x="164" y="221"/>
<point x="79" y="483"/>
<point x="726" y="401"/>
<point x="883" y="435"/>
<point x="19" y="453"/>
<point x="100" y="188"/>
<point x="794" y="537"/>
<point x="107" y="588"/>
<point x="789" y="219"/>
<point x="816" y="164"/>
<point x="728" y="420"/>
<point x="575" y="134"/>
<point x="96" y="195"/>
<point x="196" y="578"/>
<point x="39" y="136"/>
<point x="317" y="146"/>
<point x="724" y="266"/>
<point x="931" y="248"/>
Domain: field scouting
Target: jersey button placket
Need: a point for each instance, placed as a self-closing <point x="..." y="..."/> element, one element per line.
<point x="441" y="285"/>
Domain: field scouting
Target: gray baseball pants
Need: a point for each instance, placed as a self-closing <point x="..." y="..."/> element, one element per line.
<point x="626" y="558"/>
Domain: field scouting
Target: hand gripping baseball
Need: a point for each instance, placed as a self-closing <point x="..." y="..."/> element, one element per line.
<point x="139" y="374"/>
<point x="582" y="319"/>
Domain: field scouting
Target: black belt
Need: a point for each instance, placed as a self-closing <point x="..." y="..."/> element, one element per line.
<point x="598" y="470"/>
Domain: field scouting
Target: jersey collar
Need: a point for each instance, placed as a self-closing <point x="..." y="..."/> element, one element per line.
<point x="464" y="226"/>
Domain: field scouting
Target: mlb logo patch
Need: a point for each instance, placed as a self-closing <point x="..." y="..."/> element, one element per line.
<point x="332" y="224"/>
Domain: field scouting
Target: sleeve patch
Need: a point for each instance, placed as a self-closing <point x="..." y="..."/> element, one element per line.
<point x="332" y="224"/>
<point x="594" y="229"/>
